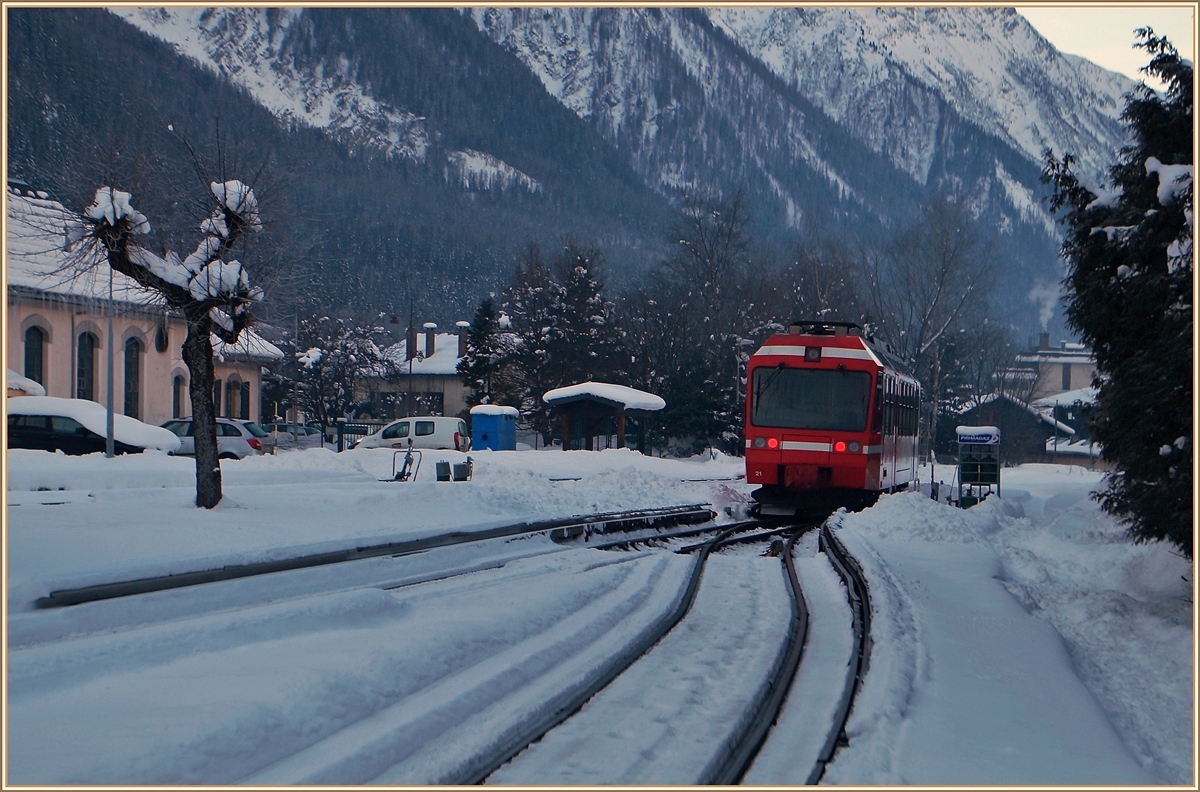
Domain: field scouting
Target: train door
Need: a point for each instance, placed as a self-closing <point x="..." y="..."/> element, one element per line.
<point x="904" y="462"/>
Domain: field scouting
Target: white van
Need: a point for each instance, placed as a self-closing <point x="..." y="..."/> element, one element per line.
<point x="425" y="432"/>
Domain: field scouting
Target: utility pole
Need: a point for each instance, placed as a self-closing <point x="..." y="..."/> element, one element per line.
<point x="109" y="445"/>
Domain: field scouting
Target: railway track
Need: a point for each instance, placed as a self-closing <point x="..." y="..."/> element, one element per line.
<point x="560" y="530"/>
<point x="736" y="753"/>
<point x="559" y="661"/>
<point x="851" y="574"/>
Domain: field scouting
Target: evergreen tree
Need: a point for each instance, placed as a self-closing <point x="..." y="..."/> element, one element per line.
<point x="582" y="344"/>
<point x="484" y="368"/>
<point x="530" y="301"/>
<point x="1129" y="294"/>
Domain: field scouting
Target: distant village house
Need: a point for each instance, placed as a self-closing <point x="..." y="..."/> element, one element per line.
<point x="422" y="376"/>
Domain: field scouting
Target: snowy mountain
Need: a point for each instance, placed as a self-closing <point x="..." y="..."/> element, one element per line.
<point x="917" y="87"/>
<point x="896" y="79"/>
<point x="987" y="64"/>
<point x="841" y="118"/>
<point x="858" y="109"/>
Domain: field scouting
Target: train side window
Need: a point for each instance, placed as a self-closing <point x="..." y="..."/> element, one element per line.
<point x="877" y="412"/>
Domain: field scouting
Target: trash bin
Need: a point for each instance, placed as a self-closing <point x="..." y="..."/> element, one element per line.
<point x="443" y="470"/>
<point x="494" y="427"/>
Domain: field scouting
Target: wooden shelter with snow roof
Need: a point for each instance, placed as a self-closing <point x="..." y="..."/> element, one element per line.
<point x="593" y="410"/>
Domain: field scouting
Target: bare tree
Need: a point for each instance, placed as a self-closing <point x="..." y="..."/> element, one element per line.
<point x="821" y="282"/>
<point x="213" y="295"/>
<point x="710" y="258"/>
<point x="929" y="282"/>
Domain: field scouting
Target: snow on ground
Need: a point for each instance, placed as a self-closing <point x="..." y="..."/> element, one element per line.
<point x="1021" y="641"/>
<point x="300" y="503"/>
<point x="1115" y="668"/>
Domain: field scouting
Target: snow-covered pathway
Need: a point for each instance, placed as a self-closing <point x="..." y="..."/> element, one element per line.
<point x="978" y="674"/>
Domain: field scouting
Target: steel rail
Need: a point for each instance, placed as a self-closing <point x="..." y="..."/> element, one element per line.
<point x="742" y="749"/>
<point x="581" y="525"/>
<point x="484" y="766"/>
<point x="860" y="606"/>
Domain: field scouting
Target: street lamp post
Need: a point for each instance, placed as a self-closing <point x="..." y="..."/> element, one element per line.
<point x="109" y="445"/>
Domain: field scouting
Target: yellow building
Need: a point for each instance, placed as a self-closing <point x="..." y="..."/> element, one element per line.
<point x="57" y="328"/>
<point x="1067" y="367"/>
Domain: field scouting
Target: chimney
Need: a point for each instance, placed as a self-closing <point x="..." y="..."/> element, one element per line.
<point x="430" y="330"/>
<point x="410" y="343"/>
<point x="1044" y="341"/>
<point x="463" y="327"/>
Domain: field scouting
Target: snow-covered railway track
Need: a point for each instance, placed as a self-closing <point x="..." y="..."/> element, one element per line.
<point x="855" y="582"/>
<point x="563" y="529"/>
<point x="344" y="687"/>
<point x="442" y="677"/>
<point x="696" y="707"/>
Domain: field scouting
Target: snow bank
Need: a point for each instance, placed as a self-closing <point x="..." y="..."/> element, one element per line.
<point x="1122" y="613"/>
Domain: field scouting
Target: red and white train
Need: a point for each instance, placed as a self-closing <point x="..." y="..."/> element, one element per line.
<point x="831" y="420"/>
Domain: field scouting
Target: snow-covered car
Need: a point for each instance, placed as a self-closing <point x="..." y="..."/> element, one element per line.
<point x="235" y="439"/>
<point x="427" y="432"/>
<point x="294" y="435"/>
<point x="79" y="426"/>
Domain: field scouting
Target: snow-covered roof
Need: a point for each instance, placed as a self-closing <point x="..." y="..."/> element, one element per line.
<point x="95" y="417"/>
<point x="1063" y="445"/>
<point x="31" y="387"/>
<point x="494" y="409"/>
<point x="620" y="395"/>
<point x="39" y="258"/>
<point x="1040" y="413"/>
<point x="1057" y="358"/>
<point x="1067" y="398"/>
<point x="444" y="360"/>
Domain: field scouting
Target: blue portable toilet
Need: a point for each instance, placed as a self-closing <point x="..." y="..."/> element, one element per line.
<point x="494" y="427"/>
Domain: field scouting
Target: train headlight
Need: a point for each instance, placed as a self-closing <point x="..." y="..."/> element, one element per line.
<point x="840" y="446"/>
<point x="772" y="443"/>
<point x="854" y="446"/>
<point x="760" y="442"/>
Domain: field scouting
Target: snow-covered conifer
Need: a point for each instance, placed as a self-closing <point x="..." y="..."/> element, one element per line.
<point x="1129" y="294"/>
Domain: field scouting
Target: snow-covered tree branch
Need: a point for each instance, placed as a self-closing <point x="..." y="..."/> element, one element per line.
<point x="211" y="290"/>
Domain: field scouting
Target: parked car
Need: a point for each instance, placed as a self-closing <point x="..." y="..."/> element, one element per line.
<point x="79" y="426"/>
<point x="426" y="432"/>
<point x="295" y="435"/>
<point x="235" y="439"/>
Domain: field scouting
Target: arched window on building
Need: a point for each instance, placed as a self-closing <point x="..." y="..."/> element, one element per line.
<point x="178" y="385"/>
<point x="245" y="402"/>
<point x="217" y="398"/>
<point x="85" y="368"/>
<point x="233" y="390"/>
<point x="35" y="354"/>
<point x="133" y="376"/>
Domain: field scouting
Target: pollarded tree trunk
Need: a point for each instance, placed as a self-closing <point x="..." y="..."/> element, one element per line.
<point x="198" y="356"/>
<point x="214" y="295"/>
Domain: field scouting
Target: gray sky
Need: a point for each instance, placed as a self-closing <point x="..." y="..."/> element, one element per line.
<point x="1104" y="35"/>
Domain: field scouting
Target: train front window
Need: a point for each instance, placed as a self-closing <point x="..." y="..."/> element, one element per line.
<point x="811" y="399"/>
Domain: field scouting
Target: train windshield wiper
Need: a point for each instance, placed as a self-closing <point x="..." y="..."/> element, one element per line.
<point x="766" y="382"/>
